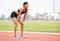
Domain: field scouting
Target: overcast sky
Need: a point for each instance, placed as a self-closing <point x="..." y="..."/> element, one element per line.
<point x="7" y="6"/>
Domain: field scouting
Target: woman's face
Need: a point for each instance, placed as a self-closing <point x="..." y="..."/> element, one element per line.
<point x="26" y="6"/>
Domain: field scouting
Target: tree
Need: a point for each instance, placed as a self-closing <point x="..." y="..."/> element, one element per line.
<point x="28" y="16"/>
<point x="46" y="15"/>
<point x="2" y="17"/>
<point x="37" y="14"/>
<point x="59" y="14"/>
<point x="9" y="18"/>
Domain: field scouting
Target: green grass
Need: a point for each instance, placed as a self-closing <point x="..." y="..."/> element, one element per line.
<point x="33" y="26"/>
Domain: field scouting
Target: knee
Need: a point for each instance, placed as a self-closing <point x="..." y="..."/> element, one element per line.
<point x="22" y="23"/>
<point x="16" y="24"/>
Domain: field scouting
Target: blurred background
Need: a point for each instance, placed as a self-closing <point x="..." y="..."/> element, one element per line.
<point x="38" y="9"/>
<point x="42" y="13"/>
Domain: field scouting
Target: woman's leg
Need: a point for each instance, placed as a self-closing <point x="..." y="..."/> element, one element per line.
<point x="15" y="26"/>
<point x="22" y="26"/>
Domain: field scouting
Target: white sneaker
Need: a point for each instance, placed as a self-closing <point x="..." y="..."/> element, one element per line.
<point x="15" y="37"/>
<point x="22" y="37"/>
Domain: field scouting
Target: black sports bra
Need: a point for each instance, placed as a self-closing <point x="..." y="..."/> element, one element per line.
<point x="22" y="11"/>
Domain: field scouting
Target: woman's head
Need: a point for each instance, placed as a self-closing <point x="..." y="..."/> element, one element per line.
<point x="25" y="5"/>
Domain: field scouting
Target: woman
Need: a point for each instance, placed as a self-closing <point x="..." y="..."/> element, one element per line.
<point x="15" y="15"/>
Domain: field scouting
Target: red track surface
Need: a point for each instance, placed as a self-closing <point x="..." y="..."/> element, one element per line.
<point x="7" y="36"/>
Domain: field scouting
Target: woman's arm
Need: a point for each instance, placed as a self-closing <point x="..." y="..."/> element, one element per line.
<point x="25" y="15"/>
<point x="21" y="9"/>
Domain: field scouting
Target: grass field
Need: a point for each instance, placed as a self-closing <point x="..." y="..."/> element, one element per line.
<point x="33" y="26"/>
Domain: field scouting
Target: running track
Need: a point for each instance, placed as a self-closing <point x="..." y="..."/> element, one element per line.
<point x="7" y="36"/>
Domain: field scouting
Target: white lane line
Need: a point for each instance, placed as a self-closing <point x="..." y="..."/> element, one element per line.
<point x="33" y="32"/>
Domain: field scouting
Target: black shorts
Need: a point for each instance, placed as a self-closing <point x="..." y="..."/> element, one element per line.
<point x="14" y="15"/>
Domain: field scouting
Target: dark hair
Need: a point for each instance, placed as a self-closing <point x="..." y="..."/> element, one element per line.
<point x="25" y="3"/>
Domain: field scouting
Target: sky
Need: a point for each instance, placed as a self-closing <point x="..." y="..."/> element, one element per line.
<point x="35" y="6"/>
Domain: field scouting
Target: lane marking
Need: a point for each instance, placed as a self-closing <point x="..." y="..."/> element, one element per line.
<point x="32" y="32"/>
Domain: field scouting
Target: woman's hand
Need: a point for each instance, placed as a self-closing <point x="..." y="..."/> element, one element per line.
<point x="25" y="15"/>
<point x="21" y="9"/>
